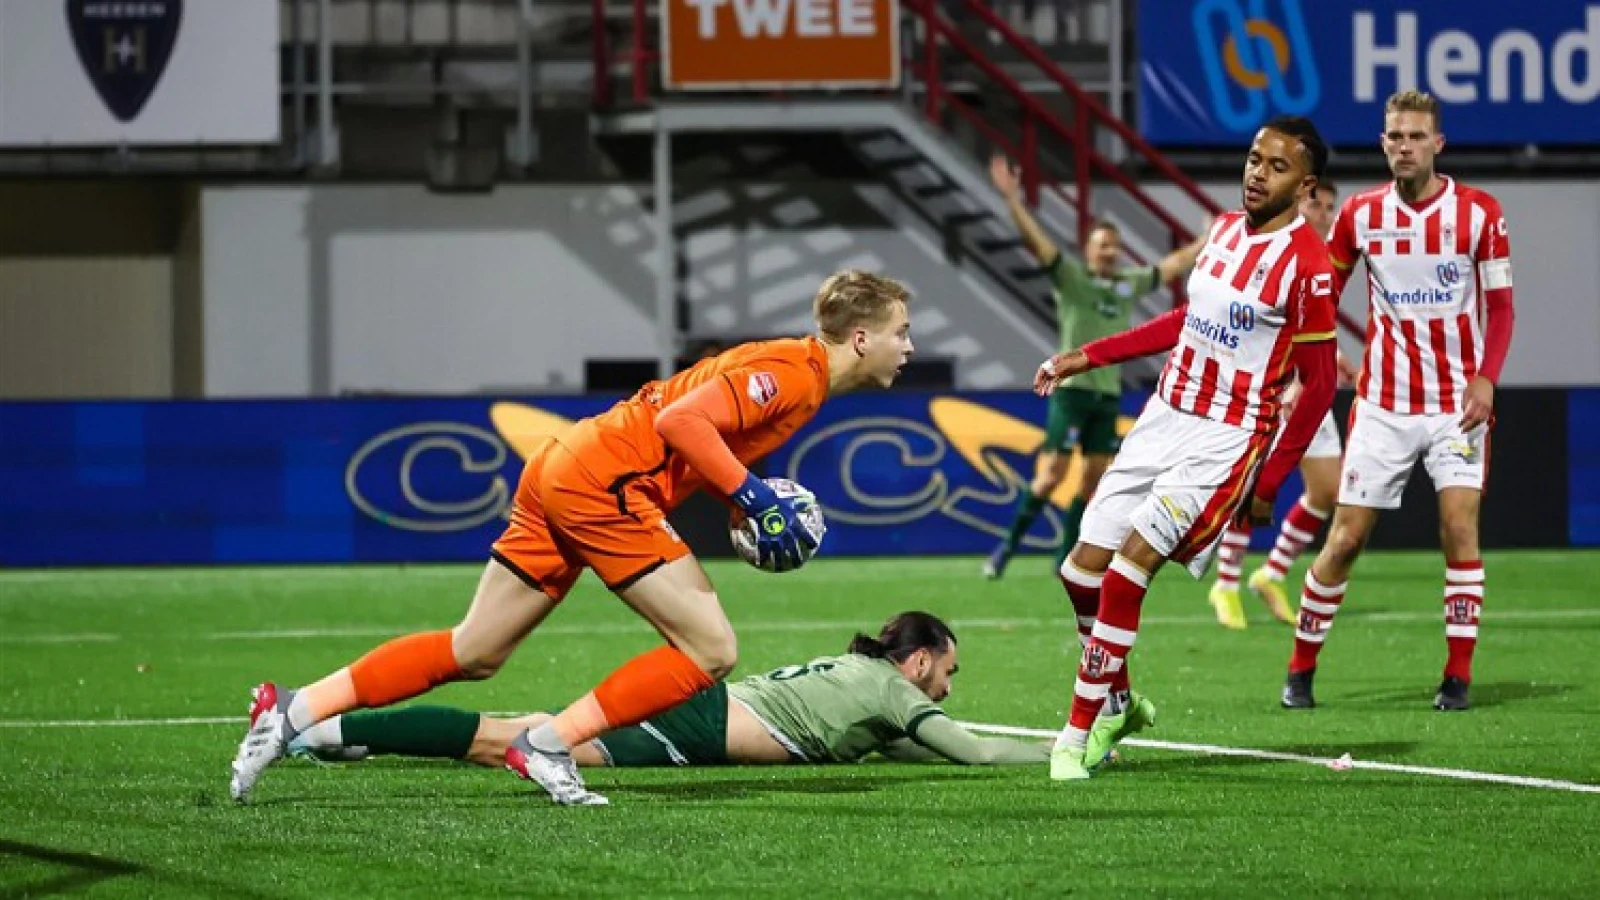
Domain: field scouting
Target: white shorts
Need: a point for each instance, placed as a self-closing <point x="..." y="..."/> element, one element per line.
<point x="1384" y="447"/>
<point x="1177" y="480"/>
<point x="1325" y="443"/>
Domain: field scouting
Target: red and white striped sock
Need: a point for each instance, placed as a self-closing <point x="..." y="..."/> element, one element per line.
<point x="1083" y="589"/>
<point x="1319" y="603"/>
<point x="1121" y="597"/>
<point x="1299" y="529"/>
<point x="1230" y="555"/>
<point x="1463" y="601"/>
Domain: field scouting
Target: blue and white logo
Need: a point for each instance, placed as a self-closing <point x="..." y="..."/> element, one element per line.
<point x="1256" y="64"/>
<point x="1241" y="316"/>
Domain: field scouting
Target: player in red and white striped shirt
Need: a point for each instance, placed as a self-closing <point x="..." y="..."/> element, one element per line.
<point x="1439" y="290"/>
<point x="1319" y="469"/>
<point x="1261" y="308"/>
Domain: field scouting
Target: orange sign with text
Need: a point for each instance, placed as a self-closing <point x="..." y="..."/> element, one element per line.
<point x="768" y="44"/>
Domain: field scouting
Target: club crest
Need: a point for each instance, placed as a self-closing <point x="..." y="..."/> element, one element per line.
<point x="124" y="46"/>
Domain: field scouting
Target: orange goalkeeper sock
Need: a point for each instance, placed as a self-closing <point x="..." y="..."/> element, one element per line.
<point x="647" y="685"/>
<point x="394" y="671"/>
<point x="405" y="667"/>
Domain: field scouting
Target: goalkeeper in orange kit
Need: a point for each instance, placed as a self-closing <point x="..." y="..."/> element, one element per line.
<point x="596" y="497"/>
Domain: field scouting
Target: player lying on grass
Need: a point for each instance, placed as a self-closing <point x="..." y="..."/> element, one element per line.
<point x="880" y="697"/>
<point x="596" y="496"/>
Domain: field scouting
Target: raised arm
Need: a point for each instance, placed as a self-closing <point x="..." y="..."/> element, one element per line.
<point x="1178" y="263"/>
<point x="1005" y="180"/>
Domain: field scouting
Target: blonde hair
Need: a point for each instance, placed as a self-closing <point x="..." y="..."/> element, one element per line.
<point x="852" y="298"/>
<point x="1413" y="101"/>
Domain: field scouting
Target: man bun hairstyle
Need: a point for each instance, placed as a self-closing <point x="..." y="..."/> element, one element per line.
<point x="904" y="635"/>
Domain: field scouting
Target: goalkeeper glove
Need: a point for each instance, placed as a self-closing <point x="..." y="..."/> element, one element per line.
<point x="783" y="540"/>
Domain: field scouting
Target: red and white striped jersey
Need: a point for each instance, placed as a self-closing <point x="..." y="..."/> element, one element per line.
<point x="1428" y="268"/>
<point x="1250" y="296"/>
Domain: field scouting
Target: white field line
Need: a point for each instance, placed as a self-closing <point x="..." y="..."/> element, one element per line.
<point x="156" y="723"/>
<point x="1550" y="784"/>
<point x="97" y="637"/>
<point x="779" y="627"/>
<point x="843" y="568"/>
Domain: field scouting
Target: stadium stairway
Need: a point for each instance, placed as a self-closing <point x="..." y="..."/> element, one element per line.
<point x="928" y="143"/>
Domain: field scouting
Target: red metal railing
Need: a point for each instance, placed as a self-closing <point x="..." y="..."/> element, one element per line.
<point x="638" y="55"/>
<point x="1074" y="184"/>
<point x="1088" y="114"/>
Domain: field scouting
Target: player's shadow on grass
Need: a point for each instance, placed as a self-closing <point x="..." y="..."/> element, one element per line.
<point x="694" y="787"/>
<point x="740" y="788"/>
<point x="1562" y="625"/>
<point x="1493" y="693"/>
<point x="1497" y="692"/>
<point x="83" y="869"/>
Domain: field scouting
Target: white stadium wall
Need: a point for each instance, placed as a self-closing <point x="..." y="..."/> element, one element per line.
<point x="363" y="289"/>
<point x="412" y="292"/>
<point x="340" y="289"/>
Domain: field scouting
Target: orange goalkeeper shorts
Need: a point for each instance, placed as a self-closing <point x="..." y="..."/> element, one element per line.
<point x="564" y="520"/>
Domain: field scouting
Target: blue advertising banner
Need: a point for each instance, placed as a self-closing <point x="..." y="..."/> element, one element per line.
<point x="431" y="480"/>
<point x="272" y="481"/>
<point x="938" y="474"/>
<point x="1211" y="71"/>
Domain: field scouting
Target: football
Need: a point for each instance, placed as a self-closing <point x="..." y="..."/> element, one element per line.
<point x="742" y="530"/>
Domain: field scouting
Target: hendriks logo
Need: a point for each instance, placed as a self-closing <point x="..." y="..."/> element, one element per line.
<point x="1214" y="332"/>
<point x="124" y="46"/>
<point x="1251" y="57"/>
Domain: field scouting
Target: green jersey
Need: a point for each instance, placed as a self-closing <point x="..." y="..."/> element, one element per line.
<point x="841" y="708"/>
<point x="1090" y="307"/>
<point x="837" y="708"/>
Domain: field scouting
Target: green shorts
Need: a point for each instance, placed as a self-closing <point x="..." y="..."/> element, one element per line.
<point x="1082" y="419"/>
<point x="692" y="734"/>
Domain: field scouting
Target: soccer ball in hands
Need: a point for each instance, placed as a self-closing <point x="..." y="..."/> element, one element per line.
<point x="743" y="531"/>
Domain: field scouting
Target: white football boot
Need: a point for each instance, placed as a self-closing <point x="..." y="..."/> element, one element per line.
<point x="266" y="741"/>
<point x="555" y="772"/>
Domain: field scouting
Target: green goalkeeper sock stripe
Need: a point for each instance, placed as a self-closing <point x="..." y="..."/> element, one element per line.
<point x="435" y="731"/>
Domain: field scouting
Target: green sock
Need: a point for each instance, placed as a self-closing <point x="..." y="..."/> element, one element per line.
<point x="1027" y="510"/>
<point x="437" y="731"/>
<point x="1070" y="523"/>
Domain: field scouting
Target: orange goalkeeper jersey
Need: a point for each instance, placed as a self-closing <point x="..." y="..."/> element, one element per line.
<point x="776" y="387"/>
